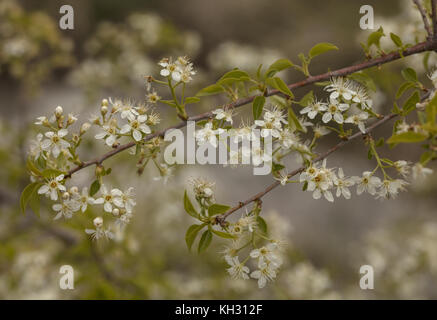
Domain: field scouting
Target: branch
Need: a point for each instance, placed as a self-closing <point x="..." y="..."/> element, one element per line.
<point x="434" y="18"/>
<point x="424" y="18"/>
<point x="418" y="48"/>
<point x="259" y="195"/>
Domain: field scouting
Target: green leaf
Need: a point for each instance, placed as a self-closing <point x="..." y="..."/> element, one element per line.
<point x="95" y="187"/>
<point x="410" y="104"/>
<point x="257" y="106"/>
<point x="397" y="41"/>
<point x="191" y="234"/>
<point x="262" y="225"/>
<point x="27" y="194"/>
<point x="409" y="74"/>
<point x="223" y="234"/>
<point x="210" y="90"/>
<point x="216" y="208"/>
<point x="404" y="87"/>
<point x="233" y="76"/>
<point x="189" y="208"/>
<point x="407" y="137"/>
<point x="375" y="37"/>
<point x="292" y="119"/>
<point x="205" y="241"/>
<point x="170" y="103"/>
<point x="431" y="111"/>
<point x="364" y="79"/>
<point x="32" y="167"/>
<point x="192" y="100"/>
<point x="321" y="48"/>
<point x="277" y="83"/>
<point x="51" y="173"/>
<point x="277" y="66"/>
<point x="306" y="99"/>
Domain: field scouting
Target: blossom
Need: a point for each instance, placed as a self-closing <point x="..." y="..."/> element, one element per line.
<point x="282" y="178"/>
<point x="237" y="270"/>
<point x="223" y="114"/>
<point x="319" y="180"/>
<point x="320" y="131"/>
<point x="208" y="134"/>
<point x="202" y="188"/>
<point x="265" y="273"/>
<point x="335" y="110"/>
<point x="153" y="97"/>
<point x="358" y="119"/>
<point x="402" y="167"/>
<point x="65" y="209"/>
<point x="108" y="197"/>
<point x="52" y="186"/>
<point x="420" y="172"/>
<point x="36" y="149"/>
<point x="287" y="138"/>
<point x="84" y="199"/>
<point x="99" y="232"/>
<point x="276" y="116"/>
<point x="267" y="254"/>
<point x="390" y="188"/>
<point x="137" y="127"/>
<point x="248" y="222"/>
<point x="402" y="127"/>
<point x="259" y="155"/>
<point x="55" y="142"/>
<point x="360" y="96"/>
<point x="125" y="199"/>
<point x="343" y="184"/>
<point x="123" y="220"/>
<point x="165" y="173"/>
<point x="367" y="183"/>
<point x="109" y="133"/>
<point x="314" y="108"/>
<point x="340" y="87"/>
<point x="127" y="111"/>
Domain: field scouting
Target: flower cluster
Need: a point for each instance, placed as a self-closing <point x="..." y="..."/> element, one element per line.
<point x="180" y="70"/>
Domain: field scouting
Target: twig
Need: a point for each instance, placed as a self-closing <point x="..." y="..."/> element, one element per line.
<point x="259" y="195"/>
<point x="418" y="48"/>
<point x="424" y="18"/>
<point x="434" y="18"/>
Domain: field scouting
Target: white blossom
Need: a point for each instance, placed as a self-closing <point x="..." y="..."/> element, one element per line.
<point x="367" y="182"/>
<point x="52" y="186"/>
<point x="208" y="134"/>
<point x="137" y="127"/>
<point x="55" y="142"/>
<point x="223" y="114"/>
<point x="314" y="108"/>
<point x="340" y="87"/>
<point x="334" y="111"/>
<point x="420" y="172"/>
<point x="359" y="120"/>
<point x="237" y="270"/>
<point x="343" y="184"/>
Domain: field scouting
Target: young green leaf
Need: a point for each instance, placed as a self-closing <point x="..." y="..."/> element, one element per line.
<point x="210" y="90"/>
<point x="191" y="234"/>
<point x="409" y="74"/>
<point x="277" y="66"/>
<point x="27" y="194"/>
<point x="51" y="173"/>
<point x="257" y="106"/>
<point x="321" y="48"/>
<point x="216" y="208"/>
<point x="95" y="187"/>
<point x="262" y="225"/>
<point x="191" y="100"/>
<point x="223" y="234"/>
<point x="407" y="137"/>
<point x="404" y="87"/>
<point x="410" y="104"/>
<point x="277" y="83"/>
<point x="397" y="41"/>
<point x="189" y="208"/>
<point x="205" y="241"/>
<point x="293" y="120"/>
<point x="375" y="37"/>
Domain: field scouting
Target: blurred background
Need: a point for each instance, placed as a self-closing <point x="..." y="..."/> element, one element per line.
<point x="113" y="46"/>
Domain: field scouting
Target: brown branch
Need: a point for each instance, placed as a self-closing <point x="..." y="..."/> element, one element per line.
<point x="434" y="18"/>
<point x="418" y="48"/>
<point x="259" y="195"/>
<point x="424" y="18"/>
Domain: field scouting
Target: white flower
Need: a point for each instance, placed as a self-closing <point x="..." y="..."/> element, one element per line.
<point x="320" y="131"/>
<point x="267" y="254"/>
<point x="99" y="232"/>
<point x="367" y="183"/>
<point x="202" y="188"/>
<point x="108" y="198"/>
<point x="126" y="199"/>
<point x="265" y="273"/>
<point x="340" y="87"/>
<point x="359" y="120"/>
<point x="402" y="127"/>
<point x="287" y="138"/>
<point x="343" y="184"/>
<point x="237" y="269"/>
<point x="36" y="149"/>
<point x="109" y="133"/>
<point x="222" y="114"/>
<point x="52" y="186"/>
<point x="319" y="180"/>
<point x="55" y="142"/>
<point x="248" y="222"/>
<point x="126" y="109"/>
<point x="65" y="209"/>
<point x="282" y="178"/>
<point x="258" y="155"/>
<point x="137" y="127"/>
<point x="165" y="173"/>
<point x="390" y="188"/>
<point x="314" y="108"/>
<point x="335" y="110"/>
<point x="361" y="96"/>
<point x="276" y="116"/>
<point x="402" y="167"/>
<point x="123" y="220"/>
<point x="84" y="199"/>
<point x="181" y="70"/>
<point x="420" y="172"/>
<point x="208" y="134"/>
<point x="41" y="121"/>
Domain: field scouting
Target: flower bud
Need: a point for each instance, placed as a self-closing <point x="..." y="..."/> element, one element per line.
<point x="74" y="189"/>
<point x="116" y="212"/>
<point x="98" y="222"/>
<point x="65" y="195"/>
<point x="84" y="128"/>
<point x="58" y="111"/>
<point x="104" y="110"/>
<point x="208" y="192"/>
<point x="71" y="119"/>
<point x="105" y="102"/>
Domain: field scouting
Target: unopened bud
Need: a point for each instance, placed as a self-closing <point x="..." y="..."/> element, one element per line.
<point x="84" y="128"/>
<point x="98" y="222"/>
<point x="74" y="189"/>
<point x="65" y="195"/>
<point x="58" y="111"/>
<point x="104" y="110"/>
<point x="116" y="212"/>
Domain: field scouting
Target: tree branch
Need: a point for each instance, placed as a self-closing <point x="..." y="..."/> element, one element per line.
<point x="418" y="48"/>
<point x="434" y="18"/>
<point x="424" y="18"/>
<point x="221" y="219"/>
